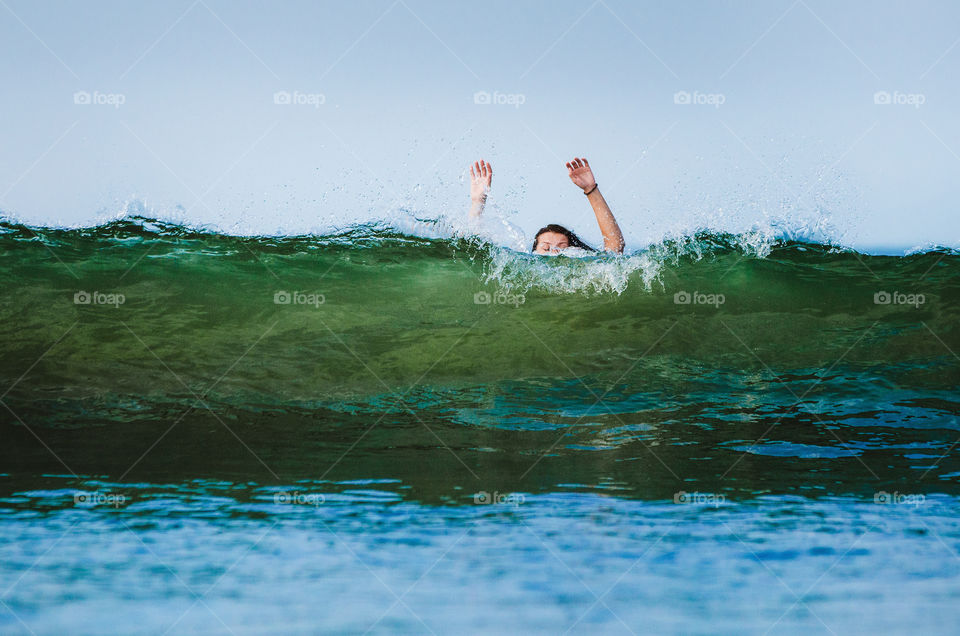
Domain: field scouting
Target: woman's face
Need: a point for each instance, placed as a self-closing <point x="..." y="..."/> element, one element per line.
<point x="551" y="243"/>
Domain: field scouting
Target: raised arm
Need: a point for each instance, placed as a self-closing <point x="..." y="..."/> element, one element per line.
<point x="582" y="176"/>
<point x="481" y="176"/>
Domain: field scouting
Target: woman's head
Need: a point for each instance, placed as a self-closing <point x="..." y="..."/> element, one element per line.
<point x="554" y="238"/>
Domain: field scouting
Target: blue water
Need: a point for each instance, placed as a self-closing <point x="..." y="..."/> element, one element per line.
<point x="366" y="561"/>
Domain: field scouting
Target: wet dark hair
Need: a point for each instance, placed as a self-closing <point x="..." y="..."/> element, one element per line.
<point x="572" y="238"/>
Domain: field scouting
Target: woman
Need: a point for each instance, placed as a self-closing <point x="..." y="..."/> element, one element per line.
<point x="553" y="238"/>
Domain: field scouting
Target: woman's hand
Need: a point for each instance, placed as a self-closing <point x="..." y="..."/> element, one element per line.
<point x="580" y="173"/>
<point x="481" y="176"/>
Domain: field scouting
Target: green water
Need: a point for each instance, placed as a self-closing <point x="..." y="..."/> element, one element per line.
<point x="745" y="462"/>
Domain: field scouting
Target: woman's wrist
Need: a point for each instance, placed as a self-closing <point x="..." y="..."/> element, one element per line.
<point x="591" y="189"/>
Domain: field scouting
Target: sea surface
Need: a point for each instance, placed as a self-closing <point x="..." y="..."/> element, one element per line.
<point x="375" y="432"/>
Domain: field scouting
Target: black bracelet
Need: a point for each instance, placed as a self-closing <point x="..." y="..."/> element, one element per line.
<point x="587" y="192"/>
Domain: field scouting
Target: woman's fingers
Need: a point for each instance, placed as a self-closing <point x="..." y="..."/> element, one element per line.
<point x="481" y="170"/>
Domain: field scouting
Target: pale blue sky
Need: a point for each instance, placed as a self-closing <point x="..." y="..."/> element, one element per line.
<point x="798" y="135"/>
